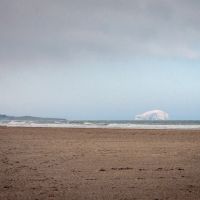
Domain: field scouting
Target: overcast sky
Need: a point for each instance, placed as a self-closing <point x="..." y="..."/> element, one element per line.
<point x="100" y="59"/>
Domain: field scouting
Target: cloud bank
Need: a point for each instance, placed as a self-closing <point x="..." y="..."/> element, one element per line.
<point x="68" y="31"/>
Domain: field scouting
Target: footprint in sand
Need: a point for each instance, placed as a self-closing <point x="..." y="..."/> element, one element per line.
<point x="102" y="170"/>
<point x="121" y="168"/>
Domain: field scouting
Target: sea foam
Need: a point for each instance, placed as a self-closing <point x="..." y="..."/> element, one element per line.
<point x="109" y="124"/>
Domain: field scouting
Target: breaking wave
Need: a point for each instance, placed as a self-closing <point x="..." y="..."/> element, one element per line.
<point x="108" y="124"/>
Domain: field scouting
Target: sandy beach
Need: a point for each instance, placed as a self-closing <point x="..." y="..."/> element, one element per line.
<point x="61" y="163"/>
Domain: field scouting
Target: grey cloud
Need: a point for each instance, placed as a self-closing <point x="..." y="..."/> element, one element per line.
<point x="71" y="30"/>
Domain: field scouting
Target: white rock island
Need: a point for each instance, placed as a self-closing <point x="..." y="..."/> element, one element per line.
<point x="153" y="115"/>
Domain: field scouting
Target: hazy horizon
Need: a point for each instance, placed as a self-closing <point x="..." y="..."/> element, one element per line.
<point x="96" y="60"/>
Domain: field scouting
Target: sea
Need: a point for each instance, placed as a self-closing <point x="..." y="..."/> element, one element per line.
<point x="119" y="124"/>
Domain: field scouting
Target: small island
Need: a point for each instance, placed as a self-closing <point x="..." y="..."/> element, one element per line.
<point x="153" y="115"/>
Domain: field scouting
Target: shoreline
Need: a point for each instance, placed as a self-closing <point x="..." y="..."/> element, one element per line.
<point x="106" y="128"/>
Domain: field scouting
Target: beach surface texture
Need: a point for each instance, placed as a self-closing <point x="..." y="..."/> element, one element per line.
<point x="107" y="164"/>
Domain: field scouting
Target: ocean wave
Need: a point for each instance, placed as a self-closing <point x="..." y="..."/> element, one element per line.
<point x="87" y="124"/>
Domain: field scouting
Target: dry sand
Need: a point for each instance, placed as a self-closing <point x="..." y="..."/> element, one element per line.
<point x="58" y="163"/>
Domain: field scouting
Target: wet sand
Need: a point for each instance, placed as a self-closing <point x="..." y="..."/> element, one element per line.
<point x="61" y="163"/>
